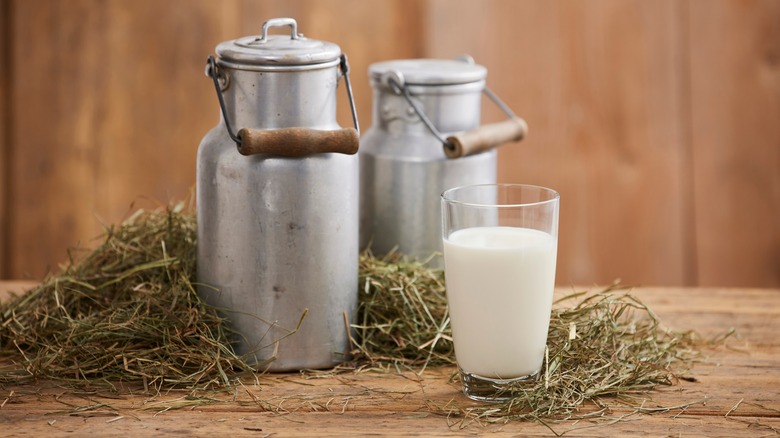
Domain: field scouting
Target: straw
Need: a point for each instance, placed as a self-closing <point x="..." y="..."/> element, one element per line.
<point x="128" y="311"/>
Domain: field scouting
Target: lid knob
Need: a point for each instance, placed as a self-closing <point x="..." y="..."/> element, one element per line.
<point x="280" y="22"/>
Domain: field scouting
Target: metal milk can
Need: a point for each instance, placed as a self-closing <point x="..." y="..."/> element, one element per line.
<point x="425" y="138"/>
<point x="277" y="200"/>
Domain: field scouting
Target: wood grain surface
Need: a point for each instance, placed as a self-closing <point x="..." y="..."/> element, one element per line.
<point x="598" y="86"/>
<point x="735" y="55"/>
<point x="656" y="121"/>
<point x="5" y="124"/>
<point x="735" y="392"/>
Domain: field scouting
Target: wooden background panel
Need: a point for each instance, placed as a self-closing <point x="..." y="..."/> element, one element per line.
<point x="54" y="109"/>
<point x="5" y="27"/>
<point x="657" y="121"/>
<point x="159" y="101"/>
<point x="599" y="86"/>
<point x="111" y="108"/>
<point x="735" y="89"/>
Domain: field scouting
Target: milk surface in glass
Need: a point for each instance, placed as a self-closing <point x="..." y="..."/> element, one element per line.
<point x="500" y="284"/>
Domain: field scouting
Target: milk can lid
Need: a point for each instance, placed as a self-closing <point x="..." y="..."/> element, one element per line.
<point x="291" y="49"/>
<point x="430" y="71"/>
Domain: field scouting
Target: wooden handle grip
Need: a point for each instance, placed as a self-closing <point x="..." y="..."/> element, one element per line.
<point x="297" y="142"/>
<point x="485" y="137"/>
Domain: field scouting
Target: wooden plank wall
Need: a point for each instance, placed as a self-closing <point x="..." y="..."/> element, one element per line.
<point x="734" y="56"/>
<point x="658" y="122"/>
<point x="5" y="26"/>
<point x="599" y="87"/>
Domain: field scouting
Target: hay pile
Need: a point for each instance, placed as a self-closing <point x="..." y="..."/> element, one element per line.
<point x="128" y="312"/>
<point x="604" y="349"/>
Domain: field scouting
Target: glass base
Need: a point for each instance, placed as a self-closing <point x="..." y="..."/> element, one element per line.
<point x="492" y="390"/>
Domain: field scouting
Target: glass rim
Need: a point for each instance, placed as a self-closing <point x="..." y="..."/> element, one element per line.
<point x="555" y="196"/>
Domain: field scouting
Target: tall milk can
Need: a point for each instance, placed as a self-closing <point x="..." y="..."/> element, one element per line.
<point x="277" y="200"/>
<point x="425" y="138"/>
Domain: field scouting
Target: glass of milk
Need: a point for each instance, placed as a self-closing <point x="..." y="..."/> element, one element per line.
<point x="500" y="247"/>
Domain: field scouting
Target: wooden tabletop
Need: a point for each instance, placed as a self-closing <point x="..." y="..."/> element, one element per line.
<point x="736" y="392"/>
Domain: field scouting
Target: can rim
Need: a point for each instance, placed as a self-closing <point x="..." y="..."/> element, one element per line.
<point x="430" y="71"/>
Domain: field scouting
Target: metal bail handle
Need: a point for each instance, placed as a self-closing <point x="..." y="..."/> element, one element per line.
<point x="291" y="142"/>
<point x="470" y="142"/>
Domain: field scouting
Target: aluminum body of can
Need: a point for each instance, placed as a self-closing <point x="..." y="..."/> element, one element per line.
<point x="277" y="248"/>
<point x="403" y="167"/>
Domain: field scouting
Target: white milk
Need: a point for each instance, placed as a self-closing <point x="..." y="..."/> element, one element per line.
<point x="500" y="288"/>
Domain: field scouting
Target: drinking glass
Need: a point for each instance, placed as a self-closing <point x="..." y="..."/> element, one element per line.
<point x="500" y="247"/>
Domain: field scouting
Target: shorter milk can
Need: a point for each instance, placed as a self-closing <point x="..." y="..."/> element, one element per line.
<point x="425" y="138"/>
<point x="277" y="200"/>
